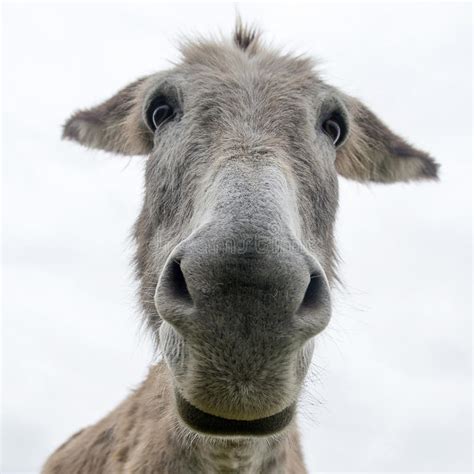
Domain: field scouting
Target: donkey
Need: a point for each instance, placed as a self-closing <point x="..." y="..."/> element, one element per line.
<point x="235" y="252"/>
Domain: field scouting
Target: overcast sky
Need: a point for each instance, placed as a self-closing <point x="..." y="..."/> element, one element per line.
<point x="391" y="384"/>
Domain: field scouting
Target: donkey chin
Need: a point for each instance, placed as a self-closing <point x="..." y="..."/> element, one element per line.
<point x="237" y="332"/>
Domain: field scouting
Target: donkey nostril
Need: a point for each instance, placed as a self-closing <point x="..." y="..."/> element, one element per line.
<point x="177" y="283"/>
<point x="173" y="300"/>
<point x="315" y="309"/>
<point x="312" y="297"/>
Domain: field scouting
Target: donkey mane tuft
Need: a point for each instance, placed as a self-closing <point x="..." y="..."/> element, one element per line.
<point x="246" y="36"/>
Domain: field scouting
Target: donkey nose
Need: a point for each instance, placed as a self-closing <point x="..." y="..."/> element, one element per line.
<point x="210" y="284"/>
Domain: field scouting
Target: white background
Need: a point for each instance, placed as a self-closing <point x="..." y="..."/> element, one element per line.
<point x="391" y="385"/>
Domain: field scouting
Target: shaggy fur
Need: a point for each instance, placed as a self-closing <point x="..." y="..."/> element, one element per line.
<point x="142" y="435"/>
<point x="235" y="252"/>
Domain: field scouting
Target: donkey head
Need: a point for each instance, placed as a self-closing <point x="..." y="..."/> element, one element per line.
<point x="235" y="247"/>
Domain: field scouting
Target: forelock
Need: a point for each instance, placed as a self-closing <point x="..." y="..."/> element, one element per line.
<point x="246" y="37"/>
<point x="245" y="43"/>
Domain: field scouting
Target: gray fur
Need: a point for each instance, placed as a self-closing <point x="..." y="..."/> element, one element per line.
<point x="235" y="241"/>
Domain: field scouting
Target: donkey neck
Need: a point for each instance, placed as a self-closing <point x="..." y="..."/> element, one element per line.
<point x="250" y="456"/>
<point x="143" y="434"/>
<point x="190" y="452"/>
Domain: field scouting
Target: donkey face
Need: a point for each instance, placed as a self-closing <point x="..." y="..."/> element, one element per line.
<point x="235" y="239"/>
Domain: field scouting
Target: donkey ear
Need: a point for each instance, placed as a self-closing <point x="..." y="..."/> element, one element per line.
<point x="115" y="125"/>
<point x="373" y="152"/>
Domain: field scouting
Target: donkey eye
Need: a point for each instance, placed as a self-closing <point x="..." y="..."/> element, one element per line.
<point x="159" y="112"/>
<point x="335" y="128"/>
